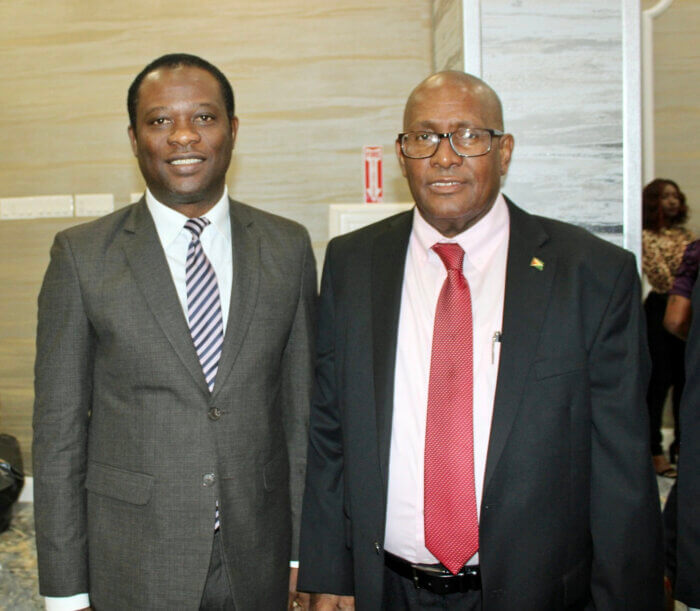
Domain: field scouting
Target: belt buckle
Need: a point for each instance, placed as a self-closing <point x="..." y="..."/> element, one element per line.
<point x="420" y="570"/>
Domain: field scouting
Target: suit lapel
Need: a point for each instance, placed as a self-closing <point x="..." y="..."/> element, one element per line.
<point x="388" y="262"/>
<point x="150" y="269"/>
<point x="526" y="297"/>
<point x="244" y="289"/>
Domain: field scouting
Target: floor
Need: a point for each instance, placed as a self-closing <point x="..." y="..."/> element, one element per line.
<point x="18" y="583"/>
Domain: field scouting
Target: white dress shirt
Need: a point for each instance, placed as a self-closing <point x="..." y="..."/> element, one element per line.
<point x="215" y="240"/>
<point x="175" y="240"/>
<point x="486" y="248"/>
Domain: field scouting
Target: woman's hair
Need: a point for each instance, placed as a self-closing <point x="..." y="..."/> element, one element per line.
<point x="653" y="217"/>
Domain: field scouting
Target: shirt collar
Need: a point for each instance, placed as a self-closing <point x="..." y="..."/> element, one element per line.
<point x="169" y="223"/>
<point x="478" y="241"/>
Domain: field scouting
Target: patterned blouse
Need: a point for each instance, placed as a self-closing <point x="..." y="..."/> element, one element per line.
<point x="662" y="253"/>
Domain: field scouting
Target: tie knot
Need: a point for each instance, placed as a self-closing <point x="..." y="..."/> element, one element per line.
<point x="451" y="254"/>
<point x="196" y="225"/>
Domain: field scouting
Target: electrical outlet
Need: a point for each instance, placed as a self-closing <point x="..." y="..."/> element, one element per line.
<point x="94" y="204"/>
<point x="36" y="207"/>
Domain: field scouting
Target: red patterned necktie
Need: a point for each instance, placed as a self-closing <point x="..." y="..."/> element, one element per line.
<point x="451" y="520"/>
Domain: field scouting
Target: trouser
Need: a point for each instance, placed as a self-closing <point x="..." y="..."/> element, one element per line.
<point x="217" y="594"/>
<point x="667" y="369"/>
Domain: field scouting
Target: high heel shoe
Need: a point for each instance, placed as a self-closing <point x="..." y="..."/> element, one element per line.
<point x="663" y="468"/>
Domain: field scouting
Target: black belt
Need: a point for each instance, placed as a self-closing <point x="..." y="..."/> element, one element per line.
<point x="435" y="577"/>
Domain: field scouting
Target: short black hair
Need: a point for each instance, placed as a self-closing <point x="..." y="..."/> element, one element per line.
<point x="175" y="60"/>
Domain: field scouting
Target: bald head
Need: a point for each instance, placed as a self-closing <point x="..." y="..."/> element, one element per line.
<point x="458" y="86"/>
<point x="452" y="190"/>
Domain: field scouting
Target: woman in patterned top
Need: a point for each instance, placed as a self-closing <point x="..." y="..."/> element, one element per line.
<point x="664" y="238"/>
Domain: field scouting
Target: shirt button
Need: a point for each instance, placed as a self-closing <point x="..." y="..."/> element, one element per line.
<point x="377" y="547"/>
<point x="208" y="480"/>
<point x="214" y="413"/>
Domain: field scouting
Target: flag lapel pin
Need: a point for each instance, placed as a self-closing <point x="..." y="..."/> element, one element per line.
<point x="537" y="264"/>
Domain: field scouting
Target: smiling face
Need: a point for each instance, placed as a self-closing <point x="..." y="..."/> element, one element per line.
<point x="183" y="138"/>
<point x="452" y="192"/>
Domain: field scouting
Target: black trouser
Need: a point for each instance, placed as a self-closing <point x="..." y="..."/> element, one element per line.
<point x="667" y="368"/>
<point x="217" y="594"/>
<point x="670" y="531"/>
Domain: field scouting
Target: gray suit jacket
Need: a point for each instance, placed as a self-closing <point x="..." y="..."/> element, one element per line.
<point x="570" y="510"/>
<point x="129" y="454"/>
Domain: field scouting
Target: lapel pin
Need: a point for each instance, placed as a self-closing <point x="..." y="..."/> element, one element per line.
<point x="537" y="264"/>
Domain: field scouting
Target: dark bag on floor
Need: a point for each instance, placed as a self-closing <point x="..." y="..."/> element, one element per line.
<point x="11" y="478"/>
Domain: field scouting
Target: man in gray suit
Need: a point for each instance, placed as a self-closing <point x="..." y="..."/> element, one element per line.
<point x="477" y="437"/>
<point x="173" y="375"/>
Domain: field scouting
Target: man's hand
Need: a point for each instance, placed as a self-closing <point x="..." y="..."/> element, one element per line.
<point x="331" y="602"/>
<point x="297" y="600"/>
<point x="301" y="601"/>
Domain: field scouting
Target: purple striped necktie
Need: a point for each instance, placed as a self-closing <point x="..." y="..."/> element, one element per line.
<point x="203" y="303"/>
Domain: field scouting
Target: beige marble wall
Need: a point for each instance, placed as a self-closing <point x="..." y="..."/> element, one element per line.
<point x="314" y="82"/>
<point x="448" y="46"/>
<point x="677" y="99"/>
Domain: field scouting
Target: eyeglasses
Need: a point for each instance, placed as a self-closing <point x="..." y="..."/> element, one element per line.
<point x="465" y="141"/>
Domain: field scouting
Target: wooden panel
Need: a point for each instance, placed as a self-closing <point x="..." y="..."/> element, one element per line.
<point x="314" y="82"/>
<point x="676" y="95"/>
<point x="24" y="252"/>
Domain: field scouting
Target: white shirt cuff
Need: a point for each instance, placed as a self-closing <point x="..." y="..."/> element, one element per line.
<point x="67" y="603"/>
<point x="293" y="564"/>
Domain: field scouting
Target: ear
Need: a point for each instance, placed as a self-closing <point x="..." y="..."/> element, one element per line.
<point x="505" y="151"/>
<point x="234" y="130"/>
<point x="401" y="158"/>
<point x="132" y="140"/>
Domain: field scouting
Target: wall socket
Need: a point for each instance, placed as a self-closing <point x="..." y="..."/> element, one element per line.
<point x="94" y="204"/>
<point x="36" y="207"/>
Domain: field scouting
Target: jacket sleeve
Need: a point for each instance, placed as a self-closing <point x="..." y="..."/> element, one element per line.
<point x="625" y="511"/>
<point x="688" y="535"/>
<point x="63" y="388"/>
<point x="325" y="562"/>
<point x="297" y="381"/>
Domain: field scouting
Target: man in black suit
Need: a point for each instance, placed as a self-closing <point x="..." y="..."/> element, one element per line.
<point x="688" y="538"/>
<point x="479" y="395"/>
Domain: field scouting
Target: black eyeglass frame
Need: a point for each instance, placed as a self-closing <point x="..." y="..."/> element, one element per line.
<point x="493" y="133"/>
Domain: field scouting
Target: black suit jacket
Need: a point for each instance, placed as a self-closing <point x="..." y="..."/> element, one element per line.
<point x="570" y="510"/>
<point x="688" y="553"/>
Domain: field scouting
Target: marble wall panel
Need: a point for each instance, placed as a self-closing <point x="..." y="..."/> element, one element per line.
<point x="558" y="69"/>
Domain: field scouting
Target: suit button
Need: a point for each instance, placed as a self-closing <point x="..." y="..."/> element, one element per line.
<point x="377" y="547"/>
<point x="208" y="480"/>
<point x="214" y="413"/>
